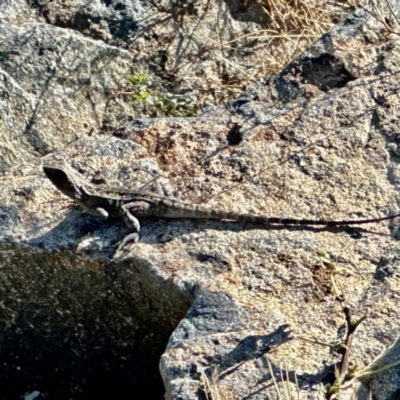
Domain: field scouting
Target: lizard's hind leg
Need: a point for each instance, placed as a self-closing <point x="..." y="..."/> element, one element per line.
<point x="129" y="209"/>
<point x="133" y="208"/>
<point x="130" y="220"/>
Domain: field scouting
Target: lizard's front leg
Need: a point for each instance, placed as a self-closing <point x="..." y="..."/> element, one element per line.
<point x="97" y="211"/>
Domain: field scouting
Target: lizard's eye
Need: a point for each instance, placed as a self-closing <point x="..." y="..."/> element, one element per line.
<point x="60" y="181"/>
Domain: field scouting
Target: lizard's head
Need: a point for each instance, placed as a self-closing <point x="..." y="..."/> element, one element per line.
<point x="64" y="184"/>
<point x="60" y="180"/>
<point x="72" y="186"/>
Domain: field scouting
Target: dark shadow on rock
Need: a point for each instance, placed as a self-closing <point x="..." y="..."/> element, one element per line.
<point x="387" y="267"/>
<point x="73" y="324"/>
<point x="156" y="230"/>
<point x="74" y="226"/>
<point x="253" y="347"/>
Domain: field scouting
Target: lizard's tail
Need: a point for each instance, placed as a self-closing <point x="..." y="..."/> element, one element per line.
<point x="200" y="212"/>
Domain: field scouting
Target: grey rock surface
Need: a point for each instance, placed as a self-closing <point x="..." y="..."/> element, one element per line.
<point x="56" y="90"/>
<point x="114" y="22"/>
<point x="227" y="310"/>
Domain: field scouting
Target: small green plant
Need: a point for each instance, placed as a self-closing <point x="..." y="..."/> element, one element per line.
<point x="174" y="107"/>
<point x="139" y="79"/>
<point x="156" y="103"/>
<point x="140" y="82"/>
<point x="141" y="95"/>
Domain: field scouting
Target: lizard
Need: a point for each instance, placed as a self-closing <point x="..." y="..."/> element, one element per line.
<point x="130" y="205"/>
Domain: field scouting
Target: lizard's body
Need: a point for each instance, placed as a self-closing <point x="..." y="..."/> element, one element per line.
<point x="130" y="205"/>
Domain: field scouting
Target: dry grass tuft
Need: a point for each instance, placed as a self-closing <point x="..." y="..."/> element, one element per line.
<point x="206" y="58"/>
